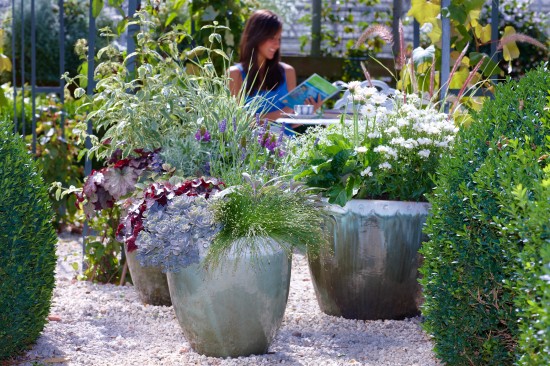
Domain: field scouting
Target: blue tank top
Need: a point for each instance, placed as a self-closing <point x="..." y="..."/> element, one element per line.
<point x="272" y="96"/>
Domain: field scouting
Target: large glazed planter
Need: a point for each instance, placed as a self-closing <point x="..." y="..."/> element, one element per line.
<point x="235" y="309"/>
<point x="150" y="283"/>
<point x="370" y="270"/>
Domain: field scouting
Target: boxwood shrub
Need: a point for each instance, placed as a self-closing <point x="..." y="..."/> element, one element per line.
<point x="531" y="223"/>
<point x="472" y="258"/>
<point x="27" y="247"/>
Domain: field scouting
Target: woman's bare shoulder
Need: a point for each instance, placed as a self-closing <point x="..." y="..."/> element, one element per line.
<point x="234" y="69"/>
<point x="286" y="66"/>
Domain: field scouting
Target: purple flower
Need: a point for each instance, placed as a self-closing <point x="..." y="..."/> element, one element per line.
<point x="206" y="168"/>
<point x="234" y="124"/>
<point x="268" y="140"/>
<point x="282" y="133"/>
<point x="223" y="125"/>
<point x="202" y="135"/>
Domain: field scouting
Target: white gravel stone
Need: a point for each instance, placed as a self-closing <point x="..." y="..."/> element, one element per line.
<point x="107" y="325"/>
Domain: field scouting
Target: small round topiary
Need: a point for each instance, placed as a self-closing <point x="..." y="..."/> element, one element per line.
<point x="27" y="247"/>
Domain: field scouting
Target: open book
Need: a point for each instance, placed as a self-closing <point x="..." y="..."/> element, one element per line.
<point x="313" y="86"/>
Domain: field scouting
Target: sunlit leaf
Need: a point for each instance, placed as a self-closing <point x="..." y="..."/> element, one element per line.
<point x="435" y="34"/>
<point x="97" y="6"/>
<point x="483" y="33"/>
<point x="423" y="11"/>
<point x="459" y="77"/>
<point x="5" y="63"/>
<point x="510" y="50"/>
<point x="3" y="100"/>
<point x="170" y="18"/>
<point x="421" y="55"/>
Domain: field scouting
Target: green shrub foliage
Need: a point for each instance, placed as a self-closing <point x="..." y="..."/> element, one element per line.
<point x="531" y="224"/>
<point x="472" y="266"/>
<point x="27" y="247"/>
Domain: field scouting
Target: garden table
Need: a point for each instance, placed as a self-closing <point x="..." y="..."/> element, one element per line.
<point x="307" y="121"/>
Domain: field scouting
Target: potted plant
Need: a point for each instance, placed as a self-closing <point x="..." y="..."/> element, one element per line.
<point x="183" y="115"/>
<point x="179" y="106"/>
<point x="375" y="169"/>
<point x="228" y="258"/>
<point x="109" y="187"/>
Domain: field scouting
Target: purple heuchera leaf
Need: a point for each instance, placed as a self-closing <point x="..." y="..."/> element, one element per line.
<point x="119" y="182"/>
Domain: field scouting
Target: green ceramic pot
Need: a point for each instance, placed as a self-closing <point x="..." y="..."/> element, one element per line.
<point x="370" y="270"/>
<point x="235" y="309"/>
<point x="149" y="282"/>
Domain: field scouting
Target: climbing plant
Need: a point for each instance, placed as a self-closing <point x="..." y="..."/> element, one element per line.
<point x="471" y="33"/>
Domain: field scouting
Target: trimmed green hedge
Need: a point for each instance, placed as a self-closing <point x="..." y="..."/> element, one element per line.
<point x="27" y="247"/>
<point x="472" y="259"/>
<point x="531" y="223"/>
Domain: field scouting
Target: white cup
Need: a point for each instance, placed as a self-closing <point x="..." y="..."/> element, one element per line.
<point x="303" y="110"/>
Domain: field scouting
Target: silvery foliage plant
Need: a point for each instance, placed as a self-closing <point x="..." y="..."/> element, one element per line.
<point x="178" y="234"/>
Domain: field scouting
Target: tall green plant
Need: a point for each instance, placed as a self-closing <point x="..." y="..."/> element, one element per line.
<point x="27" y="247"/>
<point x="472" y="264"/>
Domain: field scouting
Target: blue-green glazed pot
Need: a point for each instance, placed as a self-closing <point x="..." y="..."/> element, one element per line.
<point x="235" y="309"/>
<point x="370" y="270"/>
<point x="150" y="283"/>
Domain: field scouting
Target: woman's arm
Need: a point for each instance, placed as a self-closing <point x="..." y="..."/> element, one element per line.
<point x="235" y="80"/>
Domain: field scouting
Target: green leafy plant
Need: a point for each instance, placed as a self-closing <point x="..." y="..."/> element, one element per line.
<point x="528" y="212"/>
<point x="472" y="261"/>
<point x="27" y="247"/>
<point x="181" y="106"/>
<point x="380" y="154"/>
<point x="468" y="33"/>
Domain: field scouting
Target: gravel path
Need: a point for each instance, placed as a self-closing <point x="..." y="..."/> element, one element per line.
<point x="93" y="324"/>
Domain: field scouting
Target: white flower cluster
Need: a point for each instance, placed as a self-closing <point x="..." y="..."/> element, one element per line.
<point x="409" y="128"/>
<point x="407" y="132"/>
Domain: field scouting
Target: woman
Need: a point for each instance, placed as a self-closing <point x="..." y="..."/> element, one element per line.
<point x="260" y="67"/>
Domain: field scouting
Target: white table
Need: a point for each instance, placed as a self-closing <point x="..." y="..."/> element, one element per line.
<point x="307" y="121"/>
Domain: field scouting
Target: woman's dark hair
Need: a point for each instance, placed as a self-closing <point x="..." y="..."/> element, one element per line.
<point x="262" y="25"/>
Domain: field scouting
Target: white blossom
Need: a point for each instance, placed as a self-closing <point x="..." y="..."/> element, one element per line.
<point x="385" y="165"/>
<point x="424" y="153"/>
<point x="379" y="99"/>
<point x="367" y="172"/>
<point x="386" y="150"/>
<point x="361" y="149"/>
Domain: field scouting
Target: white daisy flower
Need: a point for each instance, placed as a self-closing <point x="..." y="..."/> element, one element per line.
<point x="424" y="153"/>
<point x="367" y="172"/>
